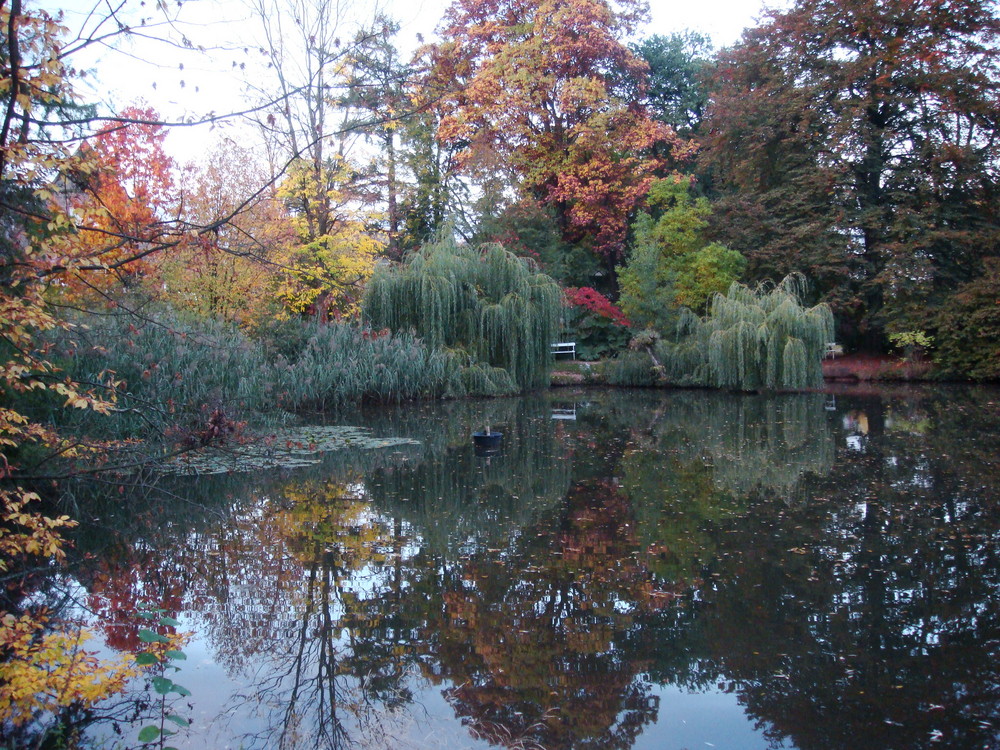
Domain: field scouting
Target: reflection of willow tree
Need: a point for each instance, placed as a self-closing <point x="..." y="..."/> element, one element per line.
<point x="869" y="616"/>
<point x="696" y="457"/>
<point x="531" y="638"/>
<point x="748" y="442"/>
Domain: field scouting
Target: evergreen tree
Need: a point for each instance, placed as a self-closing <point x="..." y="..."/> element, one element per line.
<point x="676" y="90"/>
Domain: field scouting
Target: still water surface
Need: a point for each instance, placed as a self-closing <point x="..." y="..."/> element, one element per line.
<point x="635" y="570"/>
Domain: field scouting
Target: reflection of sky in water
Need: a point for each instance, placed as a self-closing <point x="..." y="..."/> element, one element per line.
<point x="689" y="721"/>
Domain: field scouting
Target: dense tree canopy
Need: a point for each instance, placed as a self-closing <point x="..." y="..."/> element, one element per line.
<point x="672" y="264"/>
<point x="857" y="141"/>
<point x="677" y="88"/>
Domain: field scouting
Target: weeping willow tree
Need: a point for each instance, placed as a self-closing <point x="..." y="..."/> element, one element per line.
<point x="484" y="302"/>
<point x="752" y="339"/>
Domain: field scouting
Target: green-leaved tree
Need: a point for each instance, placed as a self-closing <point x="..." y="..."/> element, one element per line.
<point x="752" y="339"/>
<point x="485" y="303"/>
<point x="672" y="265"/>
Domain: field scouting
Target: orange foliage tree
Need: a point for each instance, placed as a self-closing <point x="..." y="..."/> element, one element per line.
<point x="230" y="273"/>
<point x="548" y="86"/>
<point x="121" y="198"/>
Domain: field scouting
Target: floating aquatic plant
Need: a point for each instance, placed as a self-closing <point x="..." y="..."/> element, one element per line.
<point x="284" y="449"/>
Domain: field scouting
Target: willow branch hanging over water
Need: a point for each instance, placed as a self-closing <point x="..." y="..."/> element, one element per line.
<point x="484" y="302"/>
<point x="752" y="339"/>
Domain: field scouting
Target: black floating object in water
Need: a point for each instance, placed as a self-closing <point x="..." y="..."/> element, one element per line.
<point x="487" y="443"/>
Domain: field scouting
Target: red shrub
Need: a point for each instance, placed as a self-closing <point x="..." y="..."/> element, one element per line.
<point x="596" y="303"/>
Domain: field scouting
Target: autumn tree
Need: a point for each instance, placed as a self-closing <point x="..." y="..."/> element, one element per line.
<point x="123" y="199"/>
<point x="81" y="201"/>
<point x="312" y="47"/>
<point x="302" y="43"/>
<point x="545" y="86"/>
<point x="324" y="274"/>
<point x="856" y="142"/>
<point x="230" y="273"/>
<point x="44" y="665"/>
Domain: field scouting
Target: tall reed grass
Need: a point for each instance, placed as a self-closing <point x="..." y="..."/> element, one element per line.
<point x="171" y="371"/>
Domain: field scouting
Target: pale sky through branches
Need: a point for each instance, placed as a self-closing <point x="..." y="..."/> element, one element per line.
<point x="161" y="69"/>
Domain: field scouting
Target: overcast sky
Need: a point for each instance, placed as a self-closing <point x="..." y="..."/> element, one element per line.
<point x="181" y="83"/>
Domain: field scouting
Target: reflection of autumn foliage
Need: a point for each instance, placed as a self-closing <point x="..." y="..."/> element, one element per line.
<point x="255" y="583"/>
<point x="532" y="641"/>
<point x="118" y="590"/>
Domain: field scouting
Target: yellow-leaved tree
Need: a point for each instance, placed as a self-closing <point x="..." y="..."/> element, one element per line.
<point x="44" y="665"/>
<point x="324" y="274"/>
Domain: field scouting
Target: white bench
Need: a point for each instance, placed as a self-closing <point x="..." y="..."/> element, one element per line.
<point x="564" y="347"/>
<point x="834" y="350"/>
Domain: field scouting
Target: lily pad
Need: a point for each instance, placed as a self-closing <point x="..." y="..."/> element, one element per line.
<point x="285" y="449"/>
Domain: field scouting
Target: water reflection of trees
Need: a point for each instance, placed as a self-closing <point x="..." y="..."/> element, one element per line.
<point x="746" y="442"/>
<point x="530" y="639"/>
<point x="300" y="585"/>
<point x="459" y="501"/>
<point x="846" y="591"/>
<point x="866" y="614"/>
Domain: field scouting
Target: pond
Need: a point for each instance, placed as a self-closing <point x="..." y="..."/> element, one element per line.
<point x="635" y="569"/>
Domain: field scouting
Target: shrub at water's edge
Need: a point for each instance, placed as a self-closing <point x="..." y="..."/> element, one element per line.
<point x="598" y="326"/>
<point x="752" y="339"/>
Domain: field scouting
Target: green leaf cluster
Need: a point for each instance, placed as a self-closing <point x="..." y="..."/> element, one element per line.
<point x="161" y="658"/>
<point x="672" y="265"/>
